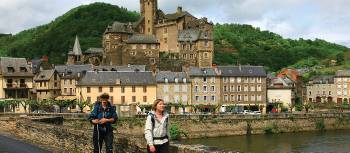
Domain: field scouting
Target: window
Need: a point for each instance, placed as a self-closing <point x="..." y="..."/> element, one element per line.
<point x="144" y="46"/>
<point x="259" y="97"/>
<point x="23" y="69"/>
<point x="212" y="88"/>
<point x="88" y="89"/>
<point x="226" y="97"/>
<point x="145" y="89"/>
<point x="110" y="89"/>
<point x="176" y="88"/>
<point x="232" y="80"/>
<point x="133" y="47"/>
<point x="239" y="88"/>
<point x="99" y="89"/>
<point x="133" y="98"/>
<point x="213" y="80"/>
<point x="88" y="99"/>
<point x="165" y="88"/>
<point x="239" y="98"/>
<point x="70" y="91"/>
<point x="195" y="88"/>
<point x="205" y="88"/>
<point x="184" y="98"/>
<point x="225" y="88"/>
<point x="144" y="98"/>
<point x="212" y="98"/>
<point x="252" y="98"/>
<point x="252" y="88"/>
<point x="123" y="99"/>
<point x="232" y="97"/>
<point x="197" y="98"/>
<point x="55" y="84"/>
<point x="149" y="29"/>
<point x="133" y="89"/>
<point x="184" y="88"/>
<point x="246" y="88"/>
<point x="239" y="80"/>
<point x="65" y="90"/>
<point x="205" y="79"/>
<point x="259" y="88"/>
<point x="153" y="46"/>
<point x="206" y="56"/>
<point x="205" y="98"/>
<point x="176" y="80"/>
<point x="10" y="69"/>
<point x="165" y="40"/>
<point x="330" y="93"/>
<point x="206" y="44"/>
<point x="122" y="89"/>
<point x="111" y="99"/>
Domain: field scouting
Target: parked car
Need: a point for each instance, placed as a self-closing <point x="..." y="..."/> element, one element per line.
<point x="246" y="112"/>
<point x="257" y="112"/>
<point x="39" y="111"/>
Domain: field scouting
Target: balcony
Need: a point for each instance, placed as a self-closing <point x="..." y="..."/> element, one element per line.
<point x="15" y="85"/>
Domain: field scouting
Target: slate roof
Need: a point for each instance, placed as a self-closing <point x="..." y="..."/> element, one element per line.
<point x="322" y="79"/>
<point x="171" y="76"/>
<point x="16" y="64"/>
<point x="177" y="15"/>
<point x="119" y="27"/>
<point x="71" y="71"/>
<point x="110" y="78"/>
<point x="142" y="39"/>
<point x="248" y="71"/>
<point x="125" y="68"/>
<point x="44" y="75"/>
<point x="343" y="73"/>
<point x="195" y="71"/>
<point x="94" y="51"/>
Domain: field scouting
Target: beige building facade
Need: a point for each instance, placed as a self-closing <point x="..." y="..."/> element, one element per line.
<point x="205" y="86"/>
<point x="16" y="78"/>
<point x="124" y="88"/>
<point x="174" y="87"/>
<point x="243" y="86"/>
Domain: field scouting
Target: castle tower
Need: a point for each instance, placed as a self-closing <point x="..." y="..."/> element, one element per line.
<point x="149" y="12"/>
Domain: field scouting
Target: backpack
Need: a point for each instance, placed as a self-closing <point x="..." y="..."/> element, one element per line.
<point x="166" y="127"/>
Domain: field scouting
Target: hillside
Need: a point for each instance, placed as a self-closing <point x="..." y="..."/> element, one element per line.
<point x="234" y="43"/>
<point x="56" y="38"/>
<point x="258" y="47"/>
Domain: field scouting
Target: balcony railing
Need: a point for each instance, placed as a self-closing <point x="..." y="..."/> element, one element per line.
<point x="14" y="85"/>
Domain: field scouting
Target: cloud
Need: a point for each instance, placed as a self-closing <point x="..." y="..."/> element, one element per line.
<point x="323" y="19"/>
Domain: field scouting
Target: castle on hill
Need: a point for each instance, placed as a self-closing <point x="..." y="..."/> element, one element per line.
<point x="178" y="36"/>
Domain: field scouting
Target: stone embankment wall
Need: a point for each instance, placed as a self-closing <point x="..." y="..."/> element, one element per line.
<point x="75" y="134"/>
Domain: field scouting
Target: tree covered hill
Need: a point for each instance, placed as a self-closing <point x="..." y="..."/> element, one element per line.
<point x="234" y="43"/>
<point x="56" y="38"/>
<point x="258" y="47"/>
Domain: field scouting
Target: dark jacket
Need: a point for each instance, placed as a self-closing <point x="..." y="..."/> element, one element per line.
<point x="98" y="113"/>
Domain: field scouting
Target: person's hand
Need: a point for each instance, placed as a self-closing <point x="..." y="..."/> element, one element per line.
<point x="103" y="121"/>
<point x="152" y="148"/>
<point x="95" y="121"/>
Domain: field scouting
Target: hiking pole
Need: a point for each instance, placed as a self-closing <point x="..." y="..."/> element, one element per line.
<point x="98" y="139"/>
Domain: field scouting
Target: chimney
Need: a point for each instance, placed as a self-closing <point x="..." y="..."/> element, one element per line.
<point x="179" y="9"/>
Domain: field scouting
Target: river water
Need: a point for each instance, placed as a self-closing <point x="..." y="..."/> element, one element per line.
<point x="329" y="141"/>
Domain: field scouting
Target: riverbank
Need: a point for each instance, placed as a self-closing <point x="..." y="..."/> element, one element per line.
<point x="75" y="133"/>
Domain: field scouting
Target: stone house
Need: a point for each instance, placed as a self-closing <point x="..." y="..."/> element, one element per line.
<point x="47" y="85"/>
<point x="321" y="89"/>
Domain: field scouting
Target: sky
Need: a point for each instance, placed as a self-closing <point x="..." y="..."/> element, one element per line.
<point x="308" y="19"/>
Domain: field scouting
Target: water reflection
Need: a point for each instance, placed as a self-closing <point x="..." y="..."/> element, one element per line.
<point x="330" y="141"/>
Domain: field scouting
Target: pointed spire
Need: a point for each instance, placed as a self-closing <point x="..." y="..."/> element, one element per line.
<point x="76" y="48"/>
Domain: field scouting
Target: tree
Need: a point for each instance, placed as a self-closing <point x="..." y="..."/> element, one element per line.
<point x="63" y="103"/>
<point x="82" y="104"/>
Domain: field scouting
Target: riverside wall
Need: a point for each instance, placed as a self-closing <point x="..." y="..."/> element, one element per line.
<point x="75" y="135"/>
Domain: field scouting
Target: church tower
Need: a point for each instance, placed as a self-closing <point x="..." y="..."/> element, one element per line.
<point x="149" y="12"/>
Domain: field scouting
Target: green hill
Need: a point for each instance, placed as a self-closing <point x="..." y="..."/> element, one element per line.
<point x="234" y="43"/>
<point x="56" y="38"/>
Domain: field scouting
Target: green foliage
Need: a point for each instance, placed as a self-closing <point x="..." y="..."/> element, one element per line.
<point x="258" y="47"/>
<point x="174" y="132"/>
<point x="56" y="38"/>
<point x="320" y="124"/>
<point x="271" y="128"/>
<point x="299" y="107"/>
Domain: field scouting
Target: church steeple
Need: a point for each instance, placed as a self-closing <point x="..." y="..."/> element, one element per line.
<point x="149" y="12"/>
<point x="76" y="48"/>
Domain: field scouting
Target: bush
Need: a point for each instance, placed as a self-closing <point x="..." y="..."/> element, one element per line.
<point x="174" y="132"/>
<point x="320" y="124"/>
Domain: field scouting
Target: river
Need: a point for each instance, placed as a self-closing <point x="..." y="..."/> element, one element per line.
<point x="328" y="141"/>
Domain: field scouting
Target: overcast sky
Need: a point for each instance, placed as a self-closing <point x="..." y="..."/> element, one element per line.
<point x="325" y="19"/>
